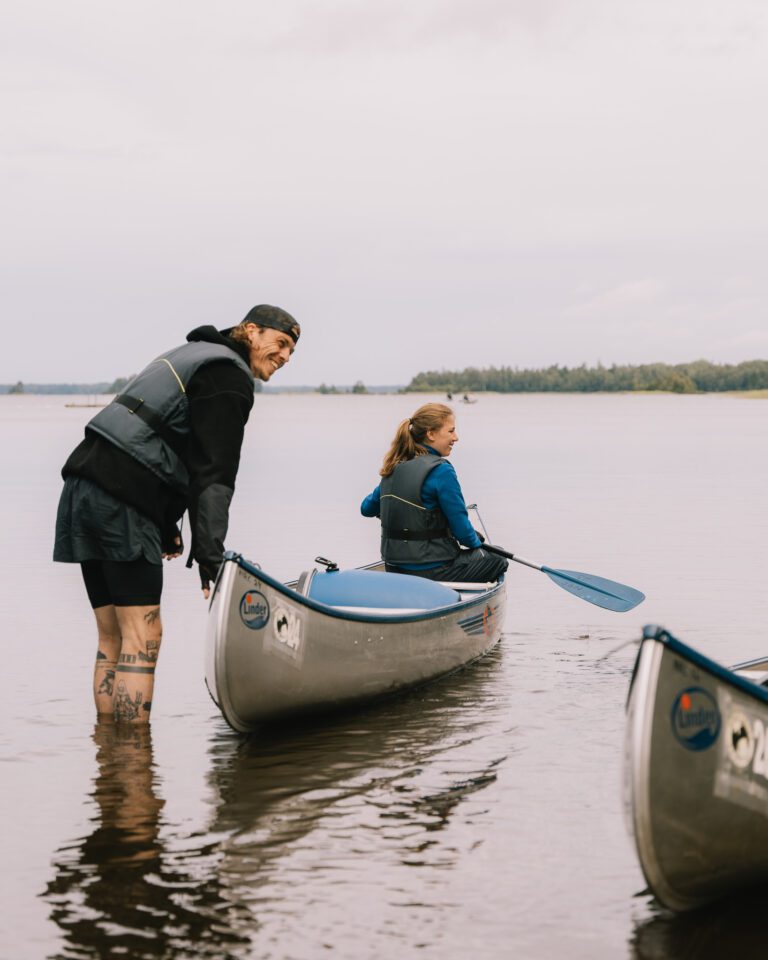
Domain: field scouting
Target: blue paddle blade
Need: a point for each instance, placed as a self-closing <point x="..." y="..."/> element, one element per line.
<point x="597" y="590"/>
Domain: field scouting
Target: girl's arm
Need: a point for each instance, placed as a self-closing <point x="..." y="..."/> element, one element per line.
<point x="370" y="507"/>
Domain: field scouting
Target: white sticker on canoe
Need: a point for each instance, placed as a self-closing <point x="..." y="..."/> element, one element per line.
<point x="742" y="770"/>
<point x="286" y="634"/>
<point x="740" y="740"/>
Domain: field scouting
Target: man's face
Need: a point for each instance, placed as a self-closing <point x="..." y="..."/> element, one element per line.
<point x="270" y="350"/>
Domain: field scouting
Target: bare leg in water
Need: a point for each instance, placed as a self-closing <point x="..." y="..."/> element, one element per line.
<point x="106" y="659"/>
<point x="124" y="674"/>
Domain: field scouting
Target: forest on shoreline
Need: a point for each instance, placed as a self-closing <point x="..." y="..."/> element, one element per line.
<point x="698" y="377"/>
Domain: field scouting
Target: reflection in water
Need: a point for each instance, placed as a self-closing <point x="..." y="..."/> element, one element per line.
<point x="117" y="891"/>
<point x="296" y="811"/>
<point x="352" y="802"/>
<point x="734" y="928"/>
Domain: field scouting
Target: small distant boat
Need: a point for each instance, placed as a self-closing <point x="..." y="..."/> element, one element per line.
<point x="696" y="772"/>
<point x="337" y="638"/>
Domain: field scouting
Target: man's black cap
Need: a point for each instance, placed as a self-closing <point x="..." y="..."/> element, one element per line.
<point x="266" y="316"/>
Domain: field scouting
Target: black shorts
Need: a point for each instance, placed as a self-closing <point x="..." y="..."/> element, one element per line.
<point x="124" y="583"/>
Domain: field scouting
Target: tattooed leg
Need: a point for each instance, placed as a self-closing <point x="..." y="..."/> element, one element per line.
<point x="106" y="658"/>
<point x="141" y="631"/>
<point x="127" y="709"/>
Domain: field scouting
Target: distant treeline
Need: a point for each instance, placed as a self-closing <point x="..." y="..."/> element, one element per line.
<point x="89" y="389"/>
<point x="84" y="388"/>
<point x="700" y="376"/>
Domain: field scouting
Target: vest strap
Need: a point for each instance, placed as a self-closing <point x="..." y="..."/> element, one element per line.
<point x="440" y="533"/>
<point x="153" y="420"/>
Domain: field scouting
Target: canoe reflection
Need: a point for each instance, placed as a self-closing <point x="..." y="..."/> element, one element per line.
<point x="732" y="928"/>
<point x="373" y="791"/>
<point x="117" y="891"/>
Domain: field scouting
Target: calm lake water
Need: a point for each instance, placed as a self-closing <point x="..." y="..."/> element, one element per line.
<point x="480" y="817"/>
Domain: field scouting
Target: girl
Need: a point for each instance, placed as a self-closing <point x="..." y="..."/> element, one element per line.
<point x="423" y="515"/>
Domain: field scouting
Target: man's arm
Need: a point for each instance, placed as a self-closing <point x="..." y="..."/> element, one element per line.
<point x="220" y="401"/>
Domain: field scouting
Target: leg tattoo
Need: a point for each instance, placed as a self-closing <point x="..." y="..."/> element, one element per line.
<point x="153" y="648"/>
<point x="125" y="708"/>
<point x="141" y="633"/>
<point x="107" y="684"/>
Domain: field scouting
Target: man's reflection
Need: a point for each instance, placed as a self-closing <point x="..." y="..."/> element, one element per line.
<point x="117" y="891"/>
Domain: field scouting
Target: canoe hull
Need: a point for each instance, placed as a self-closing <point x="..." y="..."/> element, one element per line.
<point x="696" y="775"/>
<point x="272" y="653"/>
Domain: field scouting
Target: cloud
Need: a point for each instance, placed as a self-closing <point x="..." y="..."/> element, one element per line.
<point x="558" y="178"/>
<point x="618" y="299"/>
<point x="367" y="27"/>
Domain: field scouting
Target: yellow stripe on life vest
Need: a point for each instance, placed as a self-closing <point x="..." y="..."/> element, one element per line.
<point x="170" y="366"/>
<point x="410" y="504"/>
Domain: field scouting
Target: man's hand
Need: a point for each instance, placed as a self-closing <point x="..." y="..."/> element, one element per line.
<point x="177" y="548"/>
<point x="171" y="544"/>
<point x="208" y="572"/>
<point x="482" y="538"/>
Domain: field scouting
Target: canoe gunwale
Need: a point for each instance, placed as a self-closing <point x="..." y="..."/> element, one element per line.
<point x="342" y="613"/>
<point x="711" y="666"/>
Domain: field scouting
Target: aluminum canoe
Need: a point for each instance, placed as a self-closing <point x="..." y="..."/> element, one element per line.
<point x="334" y="639"/>
<point x="696" y="772"/>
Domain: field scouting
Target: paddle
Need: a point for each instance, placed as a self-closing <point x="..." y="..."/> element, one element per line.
<point x="597" y="590"/>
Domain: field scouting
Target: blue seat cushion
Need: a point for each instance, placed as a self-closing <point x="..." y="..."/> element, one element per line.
<point x="369" y="588"/>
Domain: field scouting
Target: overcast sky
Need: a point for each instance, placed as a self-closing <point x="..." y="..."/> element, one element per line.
<point x="424" y="185"/>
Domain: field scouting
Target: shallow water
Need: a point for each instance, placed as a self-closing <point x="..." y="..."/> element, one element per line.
<point x="481" y="816"/>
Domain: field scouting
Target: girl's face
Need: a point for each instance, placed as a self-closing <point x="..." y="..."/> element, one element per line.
<point x="443" y="439"/>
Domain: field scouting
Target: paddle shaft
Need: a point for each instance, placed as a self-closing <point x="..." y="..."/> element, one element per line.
<point x="492" y="549"/>
<point x="510" y="556"/>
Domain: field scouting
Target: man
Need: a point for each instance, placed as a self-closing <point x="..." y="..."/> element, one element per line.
<point x="169" y="443"/>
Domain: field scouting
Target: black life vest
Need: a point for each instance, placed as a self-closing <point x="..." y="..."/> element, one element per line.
<point x="150" y="419"/>
<point x="410" y="532"/>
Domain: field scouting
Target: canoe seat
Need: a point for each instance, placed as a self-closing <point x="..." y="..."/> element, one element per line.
<point x="367" y="588"/>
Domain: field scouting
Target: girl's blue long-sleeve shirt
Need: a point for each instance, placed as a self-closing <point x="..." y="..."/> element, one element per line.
<point x="440" y="489"/>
